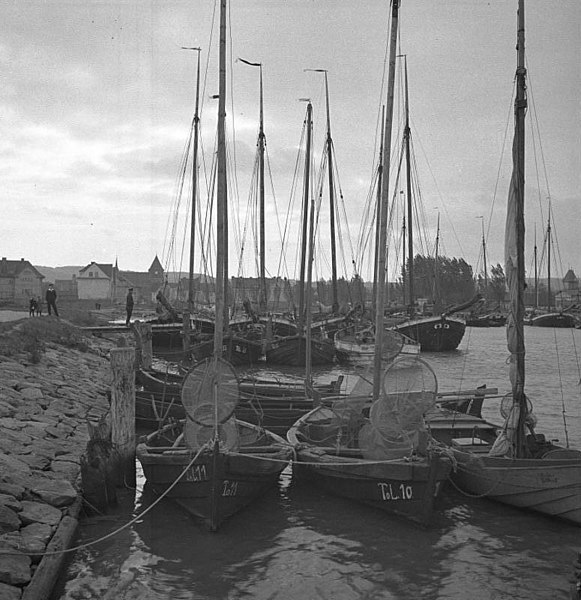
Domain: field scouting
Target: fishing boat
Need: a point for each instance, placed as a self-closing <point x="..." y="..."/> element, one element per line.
<point x="435" y="333"/>
<point x="292" y="350"/>
<point x="550" y="317"/>
<point x="211" y="463"/>
<point x="273" y="403"/>
<point x="519" y="466"/>
<point x="368" y="447"/>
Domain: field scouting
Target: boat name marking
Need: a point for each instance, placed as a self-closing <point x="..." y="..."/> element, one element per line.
<point x="230" y="488"/>
<point x="197" y="473"/>
<point x="400" y="492"/>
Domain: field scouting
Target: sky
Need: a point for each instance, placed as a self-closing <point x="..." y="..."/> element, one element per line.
<point x="97" y="100"/>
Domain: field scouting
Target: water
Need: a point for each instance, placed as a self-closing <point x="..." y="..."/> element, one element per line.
<point x="298" y="543"/>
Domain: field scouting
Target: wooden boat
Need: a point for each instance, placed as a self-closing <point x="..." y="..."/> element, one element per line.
<point x="356" y="343"/>
<point x="518" y="466"/>
<point x="272" y="403"/>
<point x="488" y="320"/>
<point x="213" y="464"/>
<point x="218" y="477"/>
<point x="292" y="350"/>
<point x="364" y="447"/>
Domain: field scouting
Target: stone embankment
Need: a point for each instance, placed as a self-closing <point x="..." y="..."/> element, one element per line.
<point x="45" y="402"/>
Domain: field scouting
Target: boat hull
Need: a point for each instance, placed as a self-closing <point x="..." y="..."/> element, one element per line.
<point x="434" y="334"/>
<point x="563" y="320"/>
<point x="291" y="351"/>
<point x="402" y="487"/>
<point x="551" y="486"/>
<point x="216" y="483"/>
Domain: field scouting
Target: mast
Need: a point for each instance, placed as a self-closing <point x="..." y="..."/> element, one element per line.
<point x="329" y="144"/>
<point x="380" y="295"/>
<point x="436" y="270"/>
<point x="222" y="196"/>
<point x="306" y="204"/>
<point x="514" y="245"/>
<point x="261" y="149"/>
<point x="484" y="257"/>
<point x="194" y="186"/>
<point x="549" y="303"/>
<point x="378" y="208"/>
<point x="536" y="273"/>
<point x="406" y="137"/>
<point x="329" y="151"/>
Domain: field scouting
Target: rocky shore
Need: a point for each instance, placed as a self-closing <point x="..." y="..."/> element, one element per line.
<point x="49" y="388"/>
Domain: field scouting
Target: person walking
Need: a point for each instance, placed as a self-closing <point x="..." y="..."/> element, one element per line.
<point x="129" y="306"/>
<point x="50" y="298"/>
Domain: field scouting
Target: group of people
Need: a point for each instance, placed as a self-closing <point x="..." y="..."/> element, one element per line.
<point x="35" y="304"/>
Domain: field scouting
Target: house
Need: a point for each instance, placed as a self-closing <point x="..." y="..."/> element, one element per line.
<point x="104" y="281"/>
<point x="19" y="281"/>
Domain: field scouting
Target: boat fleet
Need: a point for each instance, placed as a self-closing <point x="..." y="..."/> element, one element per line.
<point x="392" y="441"/>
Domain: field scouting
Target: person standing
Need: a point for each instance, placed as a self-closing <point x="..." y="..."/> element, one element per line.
<point x="31" y="307"/>
<point x="129" y="306"/>
<point x="39" y="306"/>
<point x="50" y="298"/>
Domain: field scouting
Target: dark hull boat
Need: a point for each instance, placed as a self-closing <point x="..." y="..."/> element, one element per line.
<point x="493" y="320"/>
<point x="236" y="349"/>
<point x="341" y="451"/>
<point x="556" y="319"/>
<point x="291" y="351"/>
<point x="270" y="403"/>
<point x="434" y="334"/>
<point x="221" y="477"/>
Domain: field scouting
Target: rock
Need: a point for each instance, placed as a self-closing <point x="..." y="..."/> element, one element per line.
<point x="10" y="465"/>
<point x="39" y="463"/>
<point x="56" y="492"/>
<point x="38" y="512"/>
<point x="14" y="567"/>
<point x="17" y="491"/>
<point x="10" y="501"/>
<point x="31" y="393"/>
<point x="9" y="520"/>
<point x="66" y="469"/>
<point x="9" y="592"/>
<point x="34" y="538"/>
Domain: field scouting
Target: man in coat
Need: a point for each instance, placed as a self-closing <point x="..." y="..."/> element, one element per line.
<point x="129" y="306"/>
<point x="50" y="298"/>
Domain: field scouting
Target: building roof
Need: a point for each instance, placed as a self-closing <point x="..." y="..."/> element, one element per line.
<point x="106" y="268"/>
<point x="570" y="276"/>
<point x="13" y="268"/>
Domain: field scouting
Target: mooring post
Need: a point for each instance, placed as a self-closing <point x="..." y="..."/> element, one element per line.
<point x="143" y="341"/>
<point x="123" y="414"/>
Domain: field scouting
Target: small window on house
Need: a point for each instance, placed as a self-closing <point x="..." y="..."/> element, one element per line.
<point x="90" y="274"/>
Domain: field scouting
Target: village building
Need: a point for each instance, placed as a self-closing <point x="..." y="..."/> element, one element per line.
<point x="19" y="282"/>
<point x="102" y="281"/>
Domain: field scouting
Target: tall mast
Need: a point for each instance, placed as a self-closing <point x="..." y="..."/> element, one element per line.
<point x="306" y="204"/>
<point x="194" y="186"/>
<point x="379" y="309"/>
<point x="484" y="257"/>
<point x="549" y="302"/>
<point x="222" y="196"/>
<point x="536" y="273"/>
<point x="261" y="149"/>
<point x="329" y="151"/>
<point x="514" y="244"/>
<point x="406" y="137"/>
<point x="378" y="209"/>
<point x="436" y="270"/>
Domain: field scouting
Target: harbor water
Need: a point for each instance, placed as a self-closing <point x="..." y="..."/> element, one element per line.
<point x="299" y="543"/>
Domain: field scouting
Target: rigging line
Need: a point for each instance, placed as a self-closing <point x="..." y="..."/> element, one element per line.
<point x="563" y="409"/>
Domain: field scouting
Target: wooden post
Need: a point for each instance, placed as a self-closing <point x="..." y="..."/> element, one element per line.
<point x="143" y="341"/>
<point x="123" y="414"/>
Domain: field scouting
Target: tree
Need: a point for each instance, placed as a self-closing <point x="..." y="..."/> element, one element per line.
<point x="497" y="283"/>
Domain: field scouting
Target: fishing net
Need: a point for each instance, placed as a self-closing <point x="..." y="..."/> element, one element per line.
<point x="210" y="392"/>
<point x="396" y="425"/>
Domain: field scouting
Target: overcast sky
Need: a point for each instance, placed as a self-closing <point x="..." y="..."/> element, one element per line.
<point x="97" y="98"/>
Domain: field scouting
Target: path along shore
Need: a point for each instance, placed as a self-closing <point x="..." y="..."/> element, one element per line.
<point x="46" y="398"/>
